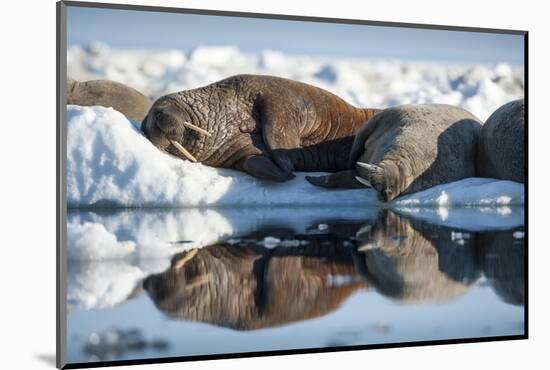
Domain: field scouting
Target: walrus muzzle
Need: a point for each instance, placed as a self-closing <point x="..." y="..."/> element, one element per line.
<point x="165" y="127"/>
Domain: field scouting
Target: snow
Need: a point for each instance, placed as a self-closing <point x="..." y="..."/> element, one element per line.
<point x="468" y="192"/>
<point x="375" y="83"/>
<point x="112" y="166"/>
<point x="110" y="163"/>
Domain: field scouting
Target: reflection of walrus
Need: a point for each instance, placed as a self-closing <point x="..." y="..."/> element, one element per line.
<point x="124" y="99"/>
<point x="502" y="143"/>
<point x="248" y="287"/>
<point x="503" y="259"/>
<point x="410" y="148"/>
<point x="266" y="126"/>
<point x="417" y="262"/>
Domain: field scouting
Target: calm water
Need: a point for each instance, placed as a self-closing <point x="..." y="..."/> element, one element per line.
<point x="287" y="279"/>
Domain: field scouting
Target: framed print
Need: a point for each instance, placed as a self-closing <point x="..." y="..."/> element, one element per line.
<point x="235" y="184"/>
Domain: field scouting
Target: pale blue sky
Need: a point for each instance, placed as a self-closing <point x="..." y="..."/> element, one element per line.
<point x="156" y="30"/>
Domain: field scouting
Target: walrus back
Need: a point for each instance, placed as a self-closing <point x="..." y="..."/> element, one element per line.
<point x="124" y="99"/>
<point x="502" y="145"/>
<point x="421" y="145"/>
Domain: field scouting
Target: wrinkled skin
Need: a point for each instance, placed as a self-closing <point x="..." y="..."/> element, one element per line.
<point x="124" y="99"/>
<point x="502" y="144"/>
<point x="263" y="125"/>
<point x="246" y="287"/>
<point x="410" y="148"/>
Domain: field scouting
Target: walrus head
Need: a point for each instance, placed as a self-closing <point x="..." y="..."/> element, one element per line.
<point x="168" y="126"/>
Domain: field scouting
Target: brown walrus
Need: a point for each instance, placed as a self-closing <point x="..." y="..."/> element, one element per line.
<point x="263" y="125"/>
<point x="409" y="148"/>
<point x="246" y="286"/>
<point x="124" y="99"/>
<point x="502" y="145"/>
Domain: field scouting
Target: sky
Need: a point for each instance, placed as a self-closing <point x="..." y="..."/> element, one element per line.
<point x="132" y="29"/>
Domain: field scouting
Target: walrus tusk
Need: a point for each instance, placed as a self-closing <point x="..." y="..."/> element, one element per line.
<point x="181" y="262"/>
<point x="367" y="247"/>
<point x="183" y="151"/>
<point x="196" y="128"/>
<point x="198" y="281"/>
<point x="363" y="181"/>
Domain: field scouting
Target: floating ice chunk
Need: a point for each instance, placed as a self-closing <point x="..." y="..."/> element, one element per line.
<point x="459" y="235"/>
<point x="518" y="235"/>
<point x="270" y="242"/>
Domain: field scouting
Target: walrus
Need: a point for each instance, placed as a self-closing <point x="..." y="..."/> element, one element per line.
<point x="124" y="99"/>
<point x="401" y="259"/>
<point x="409" y="148"/>
<point x="246" y="286"/>
<point x="502" y="143"/>
<point x="502" y="256"/>
<point x="264" y="125"/>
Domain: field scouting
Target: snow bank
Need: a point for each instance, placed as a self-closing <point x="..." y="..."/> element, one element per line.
<point x="468" y="218"/>
<point x="110" y="163"/>
<point x="363" y="82"/>
<point x="468" y="192"/>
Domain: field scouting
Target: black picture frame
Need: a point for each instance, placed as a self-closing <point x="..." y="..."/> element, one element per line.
<point x="61" y="156"/>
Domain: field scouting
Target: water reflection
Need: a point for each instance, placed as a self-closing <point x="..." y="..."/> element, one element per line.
<point x="413" y="261"/>
<point x="274" y="276"/>
<point x="503" y="260"/>
<point x="247" y="285"/>
<point x="114" y="343"/>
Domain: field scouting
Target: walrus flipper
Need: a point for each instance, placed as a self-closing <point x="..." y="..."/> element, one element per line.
<point x="340" y="180"/>
<point x="375" y="176"/>
<point x="264" y="168"/>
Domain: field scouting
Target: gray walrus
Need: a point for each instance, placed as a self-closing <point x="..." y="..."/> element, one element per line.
<point x="502" y="144"/>
<point x="402" y="260"/>
<point x="410" y="148"/>
<point x="124" y="99"/>
<point x="503" y="260"/>
<point x="266" y="126"/>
